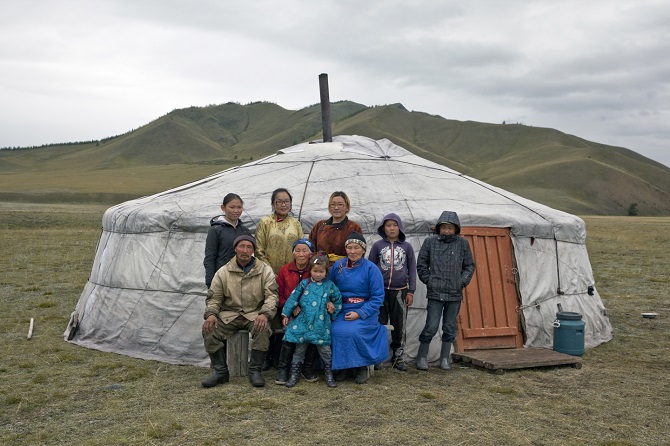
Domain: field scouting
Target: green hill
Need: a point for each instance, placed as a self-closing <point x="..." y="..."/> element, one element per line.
<point x="545" y="165"/>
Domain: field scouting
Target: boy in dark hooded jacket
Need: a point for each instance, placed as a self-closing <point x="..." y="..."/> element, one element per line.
<point x="445" y="264"/>
<point x="395" y="259"/>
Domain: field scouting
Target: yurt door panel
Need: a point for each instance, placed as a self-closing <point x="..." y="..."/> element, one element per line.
<point x="488" y="316"/>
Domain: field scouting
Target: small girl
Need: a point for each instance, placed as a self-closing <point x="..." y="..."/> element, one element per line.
<point x="312" y="325"/>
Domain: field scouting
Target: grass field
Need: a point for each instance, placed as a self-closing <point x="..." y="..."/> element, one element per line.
<point x="52" y="392"/>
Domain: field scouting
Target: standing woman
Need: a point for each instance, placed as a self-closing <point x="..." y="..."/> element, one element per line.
<point x="275" y="235"/>
<point x="329" y="235"/>
<point x="358" y="339"/>
<point x="223" y="231"/>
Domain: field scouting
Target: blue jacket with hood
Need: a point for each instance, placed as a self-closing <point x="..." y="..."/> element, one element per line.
<point x="445" y="263"/>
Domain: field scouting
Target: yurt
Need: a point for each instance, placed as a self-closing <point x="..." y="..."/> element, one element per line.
<point x="146" y="294"/>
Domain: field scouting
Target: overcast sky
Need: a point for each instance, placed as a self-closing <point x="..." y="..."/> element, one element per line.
<point x="85" y="70"/>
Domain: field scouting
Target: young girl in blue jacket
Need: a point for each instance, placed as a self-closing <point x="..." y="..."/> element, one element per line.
<point x="312" y="325"/>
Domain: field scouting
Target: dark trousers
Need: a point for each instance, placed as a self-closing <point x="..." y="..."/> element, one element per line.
<point x="436" y="310"/>
<point x="392" y="311"/>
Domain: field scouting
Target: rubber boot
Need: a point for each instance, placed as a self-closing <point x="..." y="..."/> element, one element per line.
<point x="295" y="374"/>
<point x="445" y="354"/>
<point x="219" y="369"/>
<point x="341" y="375"/>
<point x="272" y="356"/>
<point x="308" y="366"/>
<point x="267" y="361"/>
<point x="284" y="363"/>
<point x="361" y="375"/>
<point x="397" y="361"/>
<point x="328" y="372"/>
<point x="422" y="356"/>
<point x="255" y="364"/>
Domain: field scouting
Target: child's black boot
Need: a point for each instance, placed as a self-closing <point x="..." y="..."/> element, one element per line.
<point x="308" y="367"/>
<point x="328" y="372"/>
<point x="295" y="374"/>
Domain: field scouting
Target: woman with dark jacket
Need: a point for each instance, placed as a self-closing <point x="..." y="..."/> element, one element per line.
<point x="223" y="231"/>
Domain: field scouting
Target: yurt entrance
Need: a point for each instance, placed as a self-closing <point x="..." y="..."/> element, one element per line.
<point x="488" y="318"/>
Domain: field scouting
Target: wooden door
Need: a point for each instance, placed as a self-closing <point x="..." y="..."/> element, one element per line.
<point x="488" y="317"/>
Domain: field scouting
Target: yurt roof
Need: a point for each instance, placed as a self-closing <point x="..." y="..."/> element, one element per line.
<point x="379" y="177"/>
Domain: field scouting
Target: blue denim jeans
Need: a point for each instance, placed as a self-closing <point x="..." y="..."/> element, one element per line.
<point x="436" y="310"/>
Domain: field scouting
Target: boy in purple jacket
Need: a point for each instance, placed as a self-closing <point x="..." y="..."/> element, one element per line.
<point x="395" y="259"/>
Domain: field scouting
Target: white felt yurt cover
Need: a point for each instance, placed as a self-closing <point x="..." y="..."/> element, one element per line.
<point x="145" y="296"/>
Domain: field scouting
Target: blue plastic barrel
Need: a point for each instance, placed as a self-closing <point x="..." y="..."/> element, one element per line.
<point x="569" y="333"/>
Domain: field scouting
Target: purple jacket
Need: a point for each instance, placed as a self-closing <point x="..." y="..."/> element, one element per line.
<point x="395" y="260"/>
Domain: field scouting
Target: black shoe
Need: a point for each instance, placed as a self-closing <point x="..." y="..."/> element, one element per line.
<point x="341" y="375"/>
<point x="309" y="375"/>
<point x="282" y="376"/>
<point x="361" y="375"/>
<point x="399" y="364"/>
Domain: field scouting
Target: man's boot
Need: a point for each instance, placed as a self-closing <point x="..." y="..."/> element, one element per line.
<point x="361" y="375"/>
<point x="422" y="356"/>
<point x="445" y="354"/>
<point x="295" y="374"/>
<point x="255" y="364"/>
<point x="219" y="369"/>
<point x="328" y="372"/>
<point x="284" y="363"/>
<point x="308" y="366"/>
<point x="397" y="361"/>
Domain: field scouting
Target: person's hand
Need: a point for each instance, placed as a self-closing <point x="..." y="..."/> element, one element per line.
<point x="330" y="308"/>
<point x="296" y="311"/>
<point x="210" y="323"/>
<point x="284" y="321"/>
<point x="409" y="299"/>
<point x="260" y="323"/>
<point x="351" y="316"/>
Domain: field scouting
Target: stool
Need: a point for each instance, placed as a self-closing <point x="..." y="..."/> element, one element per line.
<point x="238" y="352"/>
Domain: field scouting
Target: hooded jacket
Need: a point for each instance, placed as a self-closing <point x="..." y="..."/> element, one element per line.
<point x="219" y="244"/>
<point x="396" y="260"/>
<point x="445" y="263"/>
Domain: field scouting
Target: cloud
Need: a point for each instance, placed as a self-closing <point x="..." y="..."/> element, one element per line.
<point x="73" y="70"/>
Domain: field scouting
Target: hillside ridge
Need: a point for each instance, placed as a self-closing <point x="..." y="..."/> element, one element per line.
<point x="543" y="164"/>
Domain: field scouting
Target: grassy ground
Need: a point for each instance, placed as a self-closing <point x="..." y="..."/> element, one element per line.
<point x="52" y="392"/>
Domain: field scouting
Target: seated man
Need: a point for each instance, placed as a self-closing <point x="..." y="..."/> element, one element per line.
<point x="228" y="311"/>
